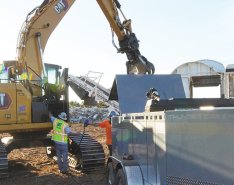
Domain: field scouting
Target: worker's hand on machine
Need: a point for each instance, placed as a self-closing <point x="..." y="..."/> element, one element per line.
<point x="51" y="132"/>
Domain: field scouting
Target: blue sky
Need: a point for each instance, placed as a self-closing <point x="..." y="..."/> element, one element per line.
<point x="171" y="32"/>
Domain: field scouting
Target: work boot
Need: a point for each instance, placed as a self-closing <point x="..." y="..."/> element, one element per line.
<point x="64" y="172"/>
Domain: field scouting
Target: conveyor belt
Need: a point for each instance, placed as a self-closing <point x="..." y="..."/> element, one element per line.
<point x="3" y="162"/>
<point x="88" y="154"/>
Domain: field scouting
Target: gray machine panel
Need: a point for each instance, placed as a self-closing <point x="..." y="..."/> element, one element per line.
<point x="200" y="147"/>
<point x="142" y="137"/>
<point x="130" y="90"/>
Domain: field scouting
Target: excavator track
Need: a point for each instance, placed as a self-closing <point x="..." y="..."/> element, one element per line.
<point x="88" y="154"/>
<point x="3" y="162"/>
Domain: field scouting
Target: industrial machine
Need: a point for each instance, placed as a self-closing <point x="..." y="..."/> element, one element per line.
<point x="90" y="91"/>
<point x="29" y="88"/>
<point x="174" y="140"/>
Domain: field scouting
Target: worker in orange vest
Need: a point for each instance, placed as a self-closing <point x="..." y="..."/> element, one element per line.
<point x="107" y="125"/>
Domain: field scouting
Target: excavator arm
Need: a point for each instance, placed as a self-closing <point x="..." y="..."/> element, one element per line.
<point x="34" y="34"/>
<point x="128" y="42"/>
<point x="42" y="20"/>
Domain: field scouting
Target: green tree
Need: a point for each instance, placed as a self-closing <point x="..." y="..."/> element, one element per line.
<point x="74" y="104"/>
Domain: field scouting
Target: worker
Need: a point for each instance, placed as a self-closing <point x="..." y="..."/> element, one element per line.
<point x="60" y="133"/>
<point x="107" y="125"/>
<point x="153" y="94"/>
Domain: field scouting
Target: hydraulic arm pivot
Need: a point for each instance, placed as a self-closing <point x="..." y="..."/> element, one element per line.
<point x="128" y="42"/>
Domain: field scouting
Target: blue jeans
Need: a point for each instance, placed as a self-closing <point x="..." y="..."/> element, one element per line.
<point x="62" y="154"/>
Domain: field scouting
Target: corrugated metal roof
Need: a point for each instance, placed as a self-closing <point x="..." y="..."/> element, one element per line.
<point x="211" y="66"/>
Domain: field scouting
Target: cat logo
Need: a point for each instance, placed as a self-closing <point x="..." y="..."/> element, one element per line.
<point x="62" y="5"/>
<point x="5" y="101"/>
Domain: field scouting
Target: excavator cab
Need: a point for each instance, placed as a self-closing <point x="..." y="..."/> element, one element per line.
<point x="56" y="84"/>
<point x="19" y="104"/>
<point x="54" y="90"/>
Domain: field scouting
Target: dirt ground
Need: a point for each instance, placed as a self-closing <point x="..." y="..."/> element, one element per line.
<point x="31" y="166"/>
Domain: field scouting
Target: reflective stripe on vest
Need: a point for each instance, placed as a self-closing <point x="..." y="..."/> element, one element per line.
<point x="59" y="134"/>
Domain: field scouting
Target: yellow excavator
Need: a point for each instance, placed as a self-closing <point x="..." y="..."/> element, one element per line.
<point x="30" y="88"/>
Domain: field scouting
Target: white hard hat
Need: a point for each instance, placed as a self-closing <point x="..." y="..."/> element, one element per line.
<point x="63" y="116"/>
<point x="112" y="113"/>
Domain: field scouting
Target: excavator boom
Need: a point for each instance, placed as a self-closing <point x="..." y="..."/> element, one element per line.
<point x="42" y="20"/>
<point x="33" y="37"/>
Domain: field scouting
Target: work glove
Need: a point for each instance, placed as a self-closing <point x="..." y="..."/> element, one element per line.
<point x="87" y="122"/>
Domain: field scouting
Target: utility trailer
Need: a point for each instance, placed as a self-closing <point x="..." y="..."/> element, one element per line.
<point x="175" y="141"/>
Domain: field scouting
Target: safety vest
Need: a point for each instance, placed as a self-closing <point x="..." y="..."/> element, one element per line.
<point x="59" y="134"/>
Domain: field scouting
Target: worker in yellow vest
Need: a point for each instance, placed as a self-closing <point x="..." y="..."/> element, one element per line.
<point x="60" y="133"/>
